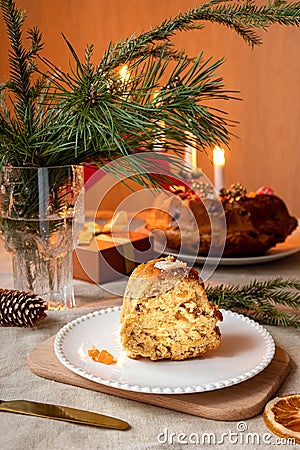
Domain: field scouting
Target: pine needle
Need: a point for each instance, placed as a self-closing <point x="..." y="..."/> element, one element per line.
<point x="259" y="300"/>
<point x="49" y="116"/>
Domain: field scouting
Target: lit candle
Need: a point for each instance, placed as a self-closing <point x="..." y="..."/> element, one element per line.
<point x="219" y="162"/>
<point x="124" y="74"/>
<point x="190" y="154"/>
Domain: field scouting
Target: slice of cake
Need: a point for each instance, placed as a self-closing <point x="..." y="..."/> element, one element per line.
<point x="166" y="313"/>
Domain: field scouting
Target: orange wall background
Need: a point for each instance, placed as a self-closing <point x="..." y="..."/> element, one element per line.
<point x="265" y="150"/>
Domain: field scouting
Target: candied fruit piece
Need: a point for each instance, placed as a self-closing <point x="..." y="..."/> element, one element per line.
<point x="102" y="356"/>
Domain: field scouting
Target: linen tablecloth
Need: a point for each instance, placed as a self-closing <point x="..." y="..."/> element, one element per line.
<point x="151" y="427"/>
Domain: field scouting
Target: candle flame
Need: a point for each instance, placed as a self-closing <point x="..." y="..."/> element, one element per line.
<point x="218" y="156"/>
<point x="124" y="73"/>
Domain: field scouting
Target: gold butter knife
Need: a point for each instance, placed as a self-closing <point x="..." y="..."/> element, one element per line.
<point x="65" y="413"/>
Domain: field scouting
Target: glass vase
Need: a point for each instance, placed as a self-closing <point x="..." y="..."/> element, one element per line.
<point x="41" y="213"/>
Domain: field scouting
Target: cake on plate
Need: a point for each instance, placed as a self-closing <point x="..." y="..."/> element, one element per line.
<point x="166" y="313"/>
<point x="255" y="222"/>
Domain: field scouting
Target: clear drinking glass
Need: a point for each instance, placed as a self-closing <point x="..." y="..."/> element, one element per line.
<point x="41" y="212"/>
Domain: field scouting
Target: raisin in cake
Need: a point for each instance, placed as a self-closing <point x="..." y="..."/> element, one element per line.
<point x="166" y="313"/>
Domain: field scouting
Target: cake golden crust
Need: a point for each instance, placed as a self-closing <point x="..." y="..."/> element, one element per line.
<point x="254" y="223"/>
<point x="177" y="322"/>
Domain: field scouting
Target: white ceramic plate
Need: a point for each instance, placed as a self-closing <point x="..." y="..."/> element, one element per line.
<point x="246" y="349"/>
<point x="280" y="251"/>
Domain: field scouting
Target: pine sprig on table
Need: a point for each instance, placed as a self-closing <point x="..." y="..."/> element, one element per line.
<point x="259" y="299"/>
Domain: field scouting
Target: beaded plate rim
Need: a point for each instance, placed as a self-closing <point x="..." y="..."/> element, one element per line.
<point x="67" y="350"/>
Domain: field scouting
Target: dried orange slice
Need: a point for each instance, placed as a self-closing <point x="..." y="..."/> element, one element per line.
<point x="282" y="416"/>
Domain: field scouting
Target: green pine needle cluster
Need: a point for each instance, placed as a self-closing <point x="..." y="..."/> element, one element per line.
<point x="52" y="117"/>
<point x="259" y="300"/>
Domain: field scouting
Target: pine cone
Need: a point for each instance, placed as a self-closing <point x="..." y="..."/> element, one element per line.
<point x="20" y="309"/>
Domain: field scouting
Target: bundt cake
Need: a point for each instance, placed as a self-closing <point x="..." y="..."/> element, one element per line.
<point x="255" y="222"/>
<point x="166" y="313"/>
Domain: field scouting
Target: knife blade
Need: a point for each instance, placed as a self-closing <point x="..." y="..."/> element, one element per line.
<point x="65" y="413"/>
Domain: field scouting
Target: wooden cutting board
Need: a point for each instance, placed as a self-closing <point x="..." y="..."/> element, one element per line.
<point x="237" y="402"/>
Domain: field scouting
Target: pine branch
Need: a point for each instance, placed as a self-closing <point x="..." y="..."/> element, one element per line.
<point x="242" y="17"/>
<point x="87" y="114"/>
<point x="258" y="300"/>
<point x="23" y="116"/>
